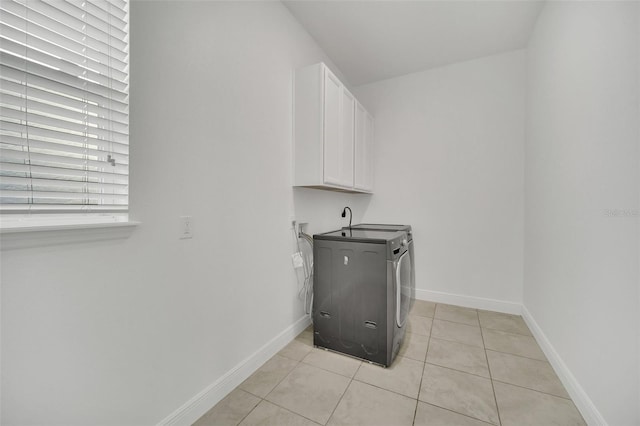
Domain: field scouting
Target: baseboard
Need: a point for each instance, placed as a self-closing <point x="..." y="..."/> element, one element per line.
<point x="193" y="409"/>
<point x="580" y="398"/>
<point x="470" y="301"/>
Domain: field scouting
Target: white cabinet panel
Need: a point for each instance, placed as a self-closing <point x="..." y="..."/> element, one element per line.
<point x="363" y="150"/>
<point x="324" y="151"/>
<point x="368" y="154"/>
<point x="347" y="123"/>
<point x="333" y="151"/>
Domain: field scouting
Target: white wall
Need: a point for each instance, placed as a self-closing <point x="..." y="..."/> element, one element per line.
<point x="125" y="332"/>
<point x="582" y="159"/>
<point x="449" y="158"/>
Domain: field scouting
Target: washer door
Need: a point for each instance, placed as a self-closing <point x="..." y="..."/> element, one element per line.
<point x="403" y="288"/>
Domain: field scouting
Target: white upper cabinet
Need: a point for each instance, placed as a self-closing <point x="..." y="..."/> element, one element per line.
<point x="363" y="150"/>
<point x="332" y="129"/>
<point x="347" y="128"/>
<point x="325" y="120"/>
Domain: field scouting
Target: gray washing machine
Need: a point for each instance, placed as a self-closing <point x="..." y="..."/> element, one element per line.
<point x="359" y="306"/>
<point x="396" y="228"/>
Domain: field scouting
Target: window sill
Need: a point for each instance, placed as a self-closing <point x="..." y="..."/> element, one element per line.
<point x="16" y="237"/>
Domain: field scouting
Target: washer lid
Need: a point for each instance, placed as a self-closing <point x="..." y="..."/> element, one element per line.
<point x="382" y="227"/>
<point x="361" y="235"/>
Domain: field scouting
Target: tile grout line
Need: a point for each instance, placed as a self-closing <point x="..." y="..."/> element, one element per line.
<point x="287" y="375"/>
<point x="351" y="379"/>
<point x="265" y="397"/>
<point x="359" y="360"/>
<point x="385" y="389"/>
<point x="518" y="335"/>
<point x="341" y="397"/>
<point x="530" y="389"/>
<point x="424" y="365"/>
<point x="465" y="372"/>
<point x="458" y="413"/>
<point x="279" y="381"/>
<point x="329" y="371"/>
<point x="251" y="411"/>
<point x="505" y="331"/>
<point x="458" y="371"/>
<point x="242" y="419"/>
<point x="524" y="387"/>
<point x="460" y="343"/>
<point x="258" y="396"/>
<point x="250" y="393"/>
<point x="290" y="411"/>
<point x="519" y="356"/>
<point x="457" y="322"/>
<point x="300" y="362"/>
<point x="495" y="399"/>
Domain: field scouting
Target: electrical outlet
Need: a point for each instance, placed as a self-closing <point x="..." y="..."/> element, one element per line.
<point x="297" y="260"/>
<point x="186" y="227"/>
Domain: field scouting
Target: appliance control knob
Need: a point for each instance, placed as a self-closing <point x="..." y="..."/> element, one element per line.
<point x="403" y="243"/>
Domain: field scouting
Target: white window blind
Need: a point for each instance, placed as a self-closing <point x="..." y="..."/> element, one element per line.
<point x="64" y="106"/>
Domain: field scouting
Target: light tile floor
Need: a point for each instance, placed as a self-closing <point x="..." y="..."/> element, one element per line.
<point x="457" y="367"/>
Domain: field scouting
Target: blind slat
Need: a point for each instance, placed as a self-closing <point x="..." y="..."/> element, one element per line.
<point x="62" y="197"/>
<point x="78" y="57"/>
<point x="95" y="16"/>
<point x="41" y="84"/>
<point x="58" y="79"/>
<point x="95" y="163"/>
<point x="37" y="133"/>
<point x="116" y="8"/>
<point x="83" y="129"/>
<point x="14" y="21"/>
<point x="48" y="172"/>
<point x="37" y="107"/>
<point x="56" y="21"/>
<point x="56" y="185"/>
<point x="55" y="17"/>
<point x="12" y="88"/>
<point x="64" y="106"/>
<point x="54" y="208"/>
<point x="22" y="143"/>
<point x="36" y="57"/>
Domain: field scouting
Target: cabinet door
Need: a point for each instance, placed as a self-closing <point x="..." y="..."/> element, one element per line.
<point x="331" y="129"/>
<point x="360" y="148"/>
<point x="363" y="150"/>
<point x="368" y="152"/>
<point x="347" y="124"/>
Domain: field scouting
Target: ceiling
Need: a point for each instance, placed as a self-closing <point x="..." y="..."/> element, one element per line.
<point x="375" y="40"/>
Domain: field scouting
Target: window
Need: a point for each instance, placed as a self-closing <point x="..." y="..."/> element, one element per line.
<point x="64" y="105"/>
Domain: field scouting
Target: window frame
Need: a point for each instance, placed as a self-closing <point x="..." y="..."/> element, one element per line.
<point x="81" y="216"/>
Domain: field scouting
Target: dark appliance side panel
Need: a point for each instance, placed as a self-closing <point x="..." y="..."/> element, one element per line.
<point x="350" y="303"/>
<point x="324" y="315"/>
<point x="345" y="292"/>
<point x="372" y="304"/>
